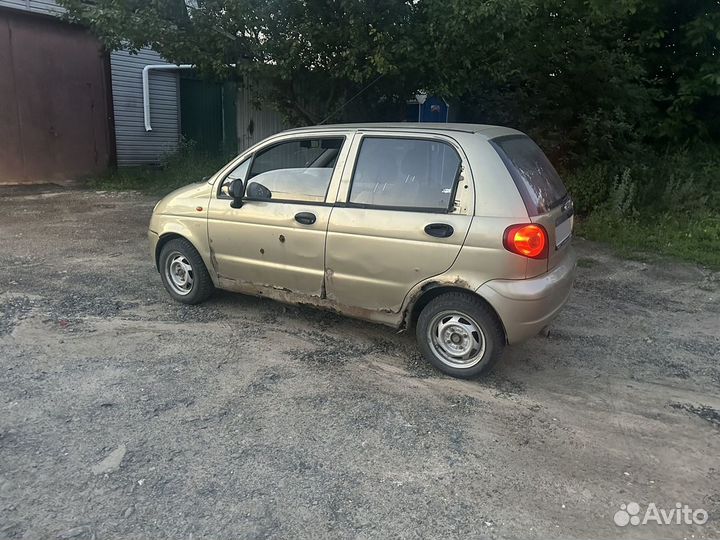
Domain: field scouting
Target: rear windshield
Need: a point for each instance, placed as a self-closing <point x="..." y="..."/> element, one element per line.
<point x="537" y="180"/>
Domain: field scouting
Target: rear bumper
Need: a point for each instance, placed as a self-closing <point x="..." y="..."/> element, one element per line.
<point x="525" y="306"/>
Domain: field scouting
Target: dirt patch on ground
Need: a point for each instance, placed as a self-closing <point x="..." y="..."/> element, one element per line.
<point x="126" y="415"/>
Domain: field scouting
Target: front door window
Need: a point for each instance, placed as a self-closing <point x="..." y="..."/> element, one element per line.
<point x="298" y="170"/>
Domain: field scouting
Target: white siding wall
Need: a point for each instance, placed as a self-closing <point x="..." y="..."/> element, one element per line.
<point x="47" y="7"/>
<point x="134" y="145"/>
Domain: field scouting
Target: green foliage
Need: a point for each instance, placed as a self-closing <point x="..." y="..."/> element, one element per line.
<point x="308" y="57"/>
<point x="175" y="171"/>
<point x="623" y="195"/>
<point x="684" y="63"/>
<point x="692" y="237"/>
<point x="683" y="180"/>
<point x="665" y="203"/>
<point x="589" y="79"/>
<point x="561" y="70"/>
<point x="589" y="186"/>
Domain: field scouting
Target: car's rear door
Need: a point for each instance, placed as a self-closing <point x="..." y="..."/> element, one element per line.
<point x="400" y="217"/>
<point x="278" y="242"/>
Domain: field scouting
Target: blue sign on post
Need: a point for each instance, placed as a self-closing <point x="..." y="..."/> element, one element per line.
<point x="434" y="110"/>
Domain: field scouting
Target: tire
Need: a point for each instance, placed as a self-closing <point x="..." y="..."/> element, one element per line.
<point x="460" y="335"/>
<point x="191" y="283"/>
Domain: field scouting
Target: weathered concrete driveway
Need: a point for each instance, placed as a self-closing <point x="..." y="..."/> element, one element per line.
<point x="125" y="415"/>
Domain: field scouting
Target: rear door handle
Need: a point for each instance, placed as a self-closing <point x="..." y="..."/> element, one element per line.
<point x="439" y="230"/>
<point x="306" y="218"/>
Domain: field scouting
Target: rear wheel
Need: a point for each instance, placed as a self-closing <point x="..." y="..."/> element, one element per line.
<point x="183" y="272"/>
<point x="460" y="335"/>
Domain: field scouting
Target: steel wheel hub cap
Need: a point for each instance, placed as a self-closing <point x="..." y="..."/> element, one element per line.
<point x="457" y="340"/>
<point x="179" y="273"/>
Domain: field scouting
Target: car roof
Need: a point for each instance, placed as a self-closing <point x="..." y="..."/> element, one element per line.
<point x="488" y="130"/>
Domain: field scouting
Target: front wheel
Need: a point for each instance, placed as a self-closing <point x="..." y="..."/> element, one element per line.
<point x="460" y="335"/>
<point x="183" y="272"/>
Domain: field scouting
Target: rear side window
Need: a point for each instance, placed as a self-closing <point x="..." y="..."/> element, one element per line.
<point x="537" y="180"/>
<point x="417" y="174"/>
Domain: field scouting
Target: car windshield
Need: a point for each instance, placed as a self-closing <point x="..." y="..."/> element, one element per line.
<point x="537" y="180"/>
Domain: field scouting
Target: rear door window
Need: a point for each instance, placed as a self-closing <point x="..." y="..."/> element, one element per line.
<point x="537" y="180"/>
<point x="405" y="173"/>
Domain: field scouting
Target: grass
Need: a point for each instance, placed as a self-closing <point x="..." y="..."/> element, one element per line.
<point x="175" y="171"/>
<point x="690" y="237"/>
<point x="653" y="202"/>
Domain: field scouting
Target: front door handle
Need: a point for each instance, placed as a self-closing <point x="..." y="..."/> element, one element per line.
<point x="439" y="230"/>
<point x="306" y="218"/>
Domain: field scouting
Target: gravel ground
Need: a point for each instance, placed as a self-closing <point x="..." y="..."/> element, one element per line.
<point x="126" y="415"/>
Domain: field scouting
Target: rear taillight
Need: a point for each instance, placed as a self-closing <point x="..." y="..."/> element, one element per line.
<point x="529" y="240"/>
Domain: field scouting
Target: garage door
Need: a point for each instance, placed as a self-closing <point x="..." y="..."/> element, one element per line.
<point x="54" y="96"/>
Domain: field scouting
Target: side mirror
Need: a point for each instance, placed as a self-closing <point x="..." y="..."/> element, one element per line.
<point x="237" y="190"/>
<point x="256" y="190"/>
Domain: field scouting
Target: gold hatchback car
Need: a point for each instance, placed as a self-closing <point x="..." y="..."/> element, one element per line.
<point x="461" y="231"/>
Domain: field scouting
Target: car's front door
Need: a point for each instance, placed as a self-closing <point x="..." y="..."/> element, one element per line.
<point x="402" y="215"/>
<point x="278" y="241"/>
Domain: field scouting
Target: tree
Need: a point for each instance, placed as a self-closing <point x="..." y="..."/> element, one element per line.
<point x="308" y="56"/>
<point x="588" y="78"/>
<point x="682" y="55"/>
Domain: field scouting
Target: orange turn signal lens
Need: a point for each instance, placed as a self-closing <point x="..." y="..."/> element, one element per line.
<point x="529" y="240"/>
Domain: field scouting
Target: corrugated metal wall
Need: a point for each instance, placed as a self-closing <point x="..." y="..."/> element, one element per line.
<point x="254" y="124"/>
<point x="134" y="145"/>
<point x="53" y="112"/>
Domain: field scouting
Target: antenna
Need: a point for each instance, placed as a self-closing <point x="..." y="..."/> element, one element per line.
<point x="329" y="116"/>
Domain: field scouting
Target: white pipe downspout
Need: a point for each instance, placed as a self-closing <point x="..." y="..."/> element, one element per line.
<point x="146" y="86"/>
